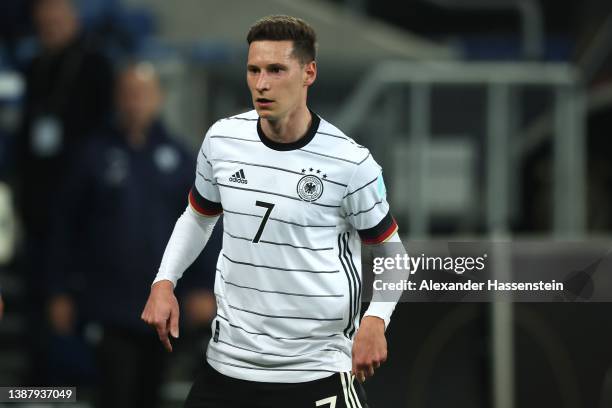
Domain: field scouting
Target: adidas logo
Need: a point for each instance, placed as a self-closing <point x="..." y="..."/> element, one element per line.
<point x="239" y="177"/>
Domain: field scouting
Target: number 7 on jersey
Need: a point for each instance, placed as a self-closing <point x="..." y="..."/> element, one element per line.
<point x="269" y="206"/>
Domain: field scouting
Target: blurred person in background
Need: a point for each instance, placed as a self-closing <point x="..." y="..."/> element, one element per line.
<point x="119" y="204"/>
<point x="68" y="94"/>
<point x="15" y="23"/>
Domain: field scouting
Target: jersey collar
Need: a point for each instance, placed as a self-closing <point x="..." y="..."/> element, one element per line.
<point x="298" y="144"/>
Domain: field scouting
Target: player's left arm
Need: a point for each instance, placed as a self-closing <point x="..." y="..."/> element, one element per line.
<point x="370" y="344"/>
<point x="367" y="210"/>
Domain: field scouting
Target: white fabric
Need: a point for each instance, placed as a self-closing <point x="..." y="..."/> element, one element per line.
<point x="190" y="235"/>
<point x="288" y="282"/>
<point x="380" y="309"/>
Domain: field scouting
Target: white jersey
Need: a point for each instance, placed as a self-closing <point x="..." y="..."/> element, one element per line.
<point x="288" y="280"/>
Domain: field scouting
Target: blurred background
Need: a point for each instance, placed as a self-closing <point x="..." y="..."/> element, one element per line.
<point x="491" y="118"/>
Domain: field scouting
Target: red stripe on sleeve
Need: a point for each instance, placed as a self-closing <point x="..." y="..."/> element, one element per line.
<point x="382" y="237"/>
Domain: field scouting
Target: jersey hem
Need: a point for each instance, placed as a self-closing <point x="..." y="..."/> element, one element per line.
<point x="263" y="376"/>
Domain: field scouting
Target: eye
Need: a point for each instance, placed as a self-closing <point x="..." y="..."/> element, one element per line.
<point x="253" y="70"/>
<point x="276" y="68"/>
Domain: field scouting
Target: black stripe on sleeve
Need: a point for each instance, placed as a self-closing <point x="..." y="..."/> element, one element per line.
<point x="202" y="205"/>
<point x="205" y="157"/>
<point x="364" y="159"/>
<point x="363" y="211"/>
<point x="362" y="187"/>
<point x="379" y="233"/>
<point x="206" y="179"/>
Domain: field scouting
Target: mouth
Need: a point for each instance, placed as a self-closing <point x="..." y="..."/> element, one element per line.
<point x="264" y="101"/>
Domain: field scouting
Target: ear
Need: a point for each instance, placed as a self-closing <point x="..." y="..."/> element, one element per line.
<point x="310" y="73"/>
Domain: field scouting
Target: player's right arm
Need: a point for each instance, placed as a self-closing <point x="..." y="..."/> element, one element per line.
<point x="187" y="241"/>
<point x="189" y="237"/>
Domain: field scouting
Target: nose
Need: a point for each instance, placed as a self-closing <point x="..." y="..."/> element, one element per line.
<point x="262" y="83"/>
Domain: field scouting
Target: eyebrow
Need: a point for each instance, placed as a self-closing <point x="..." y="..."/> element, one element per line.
<point x="276" y="65"/>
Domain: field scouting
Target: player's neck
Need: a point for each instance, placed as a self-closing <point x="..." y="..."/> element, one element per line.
<point x="289" y="129"/>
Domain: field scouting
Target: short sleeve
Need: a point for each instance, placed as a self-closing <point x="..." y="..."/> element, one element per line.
<point x="204" y="196"/>
<point x="365" y="203"/>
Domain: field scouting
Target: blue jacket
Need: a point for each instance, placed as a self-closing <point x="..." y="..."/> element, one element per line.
<point x="113" y="219"/>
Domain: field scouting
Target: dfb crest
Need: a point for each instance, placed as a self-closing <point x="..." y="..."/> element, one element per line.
<point x="310" y="188"/>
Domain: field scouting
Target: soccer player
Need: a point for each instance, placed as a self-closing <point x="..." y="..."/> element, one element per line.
<point x="299" y="198"/>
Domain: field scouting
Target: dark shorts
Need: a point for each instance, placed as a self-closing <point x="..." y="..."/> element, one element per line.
<point x="212" y="389"/>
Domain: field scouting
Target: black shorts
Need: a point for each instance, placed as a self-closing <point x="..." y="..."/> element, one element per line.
<point x="212" y="389"/>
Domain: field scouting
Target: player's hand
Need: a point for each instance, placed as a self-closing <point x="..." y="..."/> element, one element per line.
<point x="369" y="347"/>
<point x="162" y="312"/>
<point x="62" y="314"/>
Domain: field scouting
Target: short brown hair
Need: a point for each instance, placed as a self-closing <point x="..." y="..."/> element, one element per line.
<point x="283" y="28"/>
